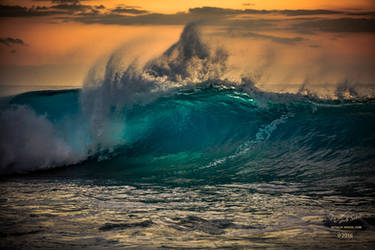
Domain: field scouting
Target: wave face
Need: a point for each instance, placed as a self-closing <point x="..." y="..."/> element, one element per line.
<point x="180" y="119"/>
<point x="205" y="133"/>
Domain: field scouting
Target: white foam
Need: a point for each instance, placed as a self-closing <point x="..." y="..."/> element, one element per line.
<point x="29" y="142"/>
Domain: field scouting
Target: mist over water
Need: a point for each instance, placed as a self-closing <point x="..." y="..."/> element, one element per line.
<point x="182" y="144"/>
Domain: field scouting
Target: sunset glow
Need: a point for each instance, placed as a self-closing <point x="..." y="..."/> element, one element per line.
<point x="79" y="32"/>
<point x="187" y="124"/>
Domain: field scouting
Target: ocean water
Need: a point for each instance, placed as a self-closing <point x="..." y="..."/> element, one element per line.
<point x="172" y="154"/>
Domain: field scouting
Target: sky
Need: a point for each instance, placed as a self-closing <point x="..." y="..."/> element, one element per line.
<point x="55" y="42"/>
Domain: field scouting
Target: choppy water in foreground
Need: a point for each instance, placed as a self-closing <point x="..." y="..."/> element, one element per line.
<point x="66" y="214"/>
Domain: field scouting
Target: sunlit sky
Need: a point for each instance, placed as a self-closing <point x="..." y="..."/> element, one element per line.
<point x="170" y="6"/>
<point x="55" y="42"/>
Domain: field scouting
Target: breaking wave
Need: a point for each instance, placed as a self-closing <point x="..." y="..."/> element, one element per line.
<point x="183" y="113"/>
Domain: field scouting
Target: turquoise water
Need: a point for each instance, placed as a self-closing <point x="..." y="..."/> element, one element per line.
<point x="223" y="134"/>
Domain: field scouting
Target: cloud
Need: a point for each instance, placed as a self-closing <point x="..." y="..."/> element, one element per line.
<point x="62" y="1"/>
<point x="206" y="15"/>
<point x="208" y="11"/>
<point x="68" y="8"/>
<point x="276" y="39"/>
<point x="224" y="16"/>
<point x="308" y="12"/>
<point x="337" y="25"/>
<point x="362" y="13"/>
<point x="15" y="11"/>
<point x="100" y="7"/>
<point x="128" y="10"/>
<point x="148" y="19"/>
<point x="20" y="11"/>
<point x="12" y="41"/>
<point x="62" y="7"/>
<point x="74" y="11"/>
<point x="72" y="7"/>
<point x="66" y="1"/>
<point x="222" y="11"/>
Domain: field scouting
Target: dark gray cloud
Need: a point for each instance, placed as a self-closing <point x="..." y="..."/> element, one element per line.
<point x="72" y="7"/>
<point x="220" y="16"/>
<point x="68" y="8"/>
<point x="206" y="15"/>
<point x="148" y="19"/>
<point x="100" y="7"/>
<point x="221" y="11"/>
<point x="180" y="18"/>
<point x="209" y="11"/>
<point x="245" y="33"/>
<point x="66" y="1"/>
<point x="9" y="41"/>
<point x="73" y="10"/>
<point x="128" y="10"/>
<point x="62" y="1"/>
<point x="337" y="25"/>
<point x="16" y="11"/>
<point x="362" y="13"/>
<point x="20" y="11"/>
<point x="308" y="12"/>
